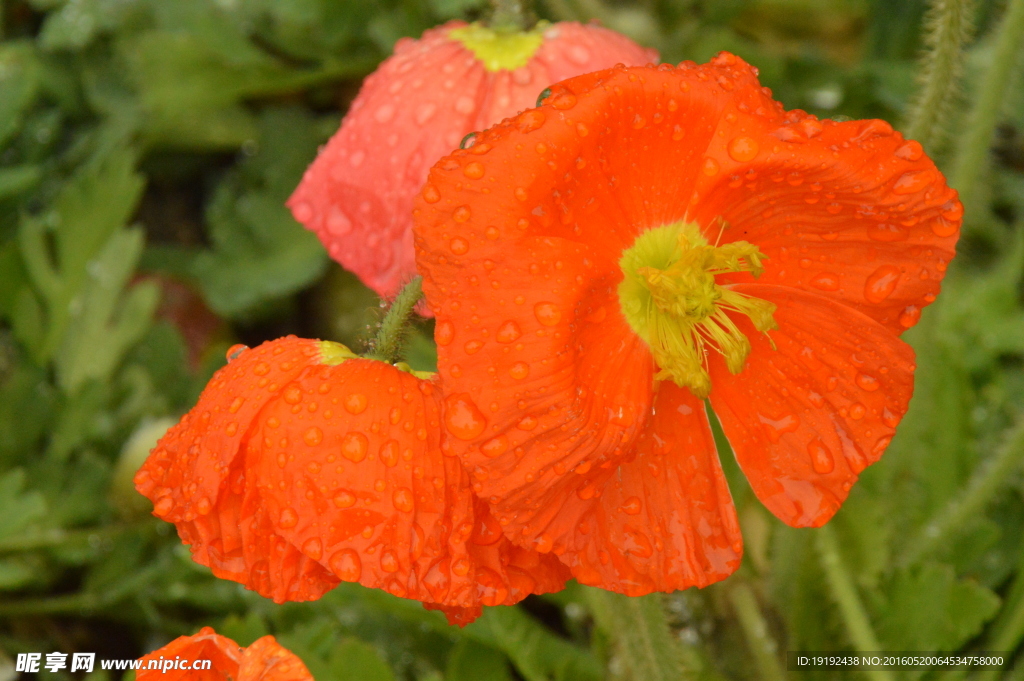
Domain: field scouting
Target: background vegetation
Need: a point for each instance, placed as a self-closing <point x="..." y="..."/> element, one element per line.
<point x="146" y="148"/>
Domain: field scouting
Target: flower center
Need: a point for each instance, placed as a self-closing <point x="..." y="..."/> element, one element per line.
<point x="499" y="50"/>
<point x="670" y="299"/>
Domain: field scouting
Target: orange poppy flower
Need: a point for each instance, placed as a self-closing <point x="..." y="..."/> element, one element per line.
<point x="357" y="195"/>
<point x="264" y="660"/>
<point x="303" y="465"/>
<point x="593" y="280"/>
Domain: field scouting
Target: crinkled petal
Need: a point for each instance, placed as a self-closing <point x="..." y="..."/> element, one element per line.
<point x="521" y="269"/>
<point x="665" y="520"/>
<point x="266" y="660"/>
<point x="805" y="418"/>
<point x="357" y="195"/>
<point x="223" y="653"/>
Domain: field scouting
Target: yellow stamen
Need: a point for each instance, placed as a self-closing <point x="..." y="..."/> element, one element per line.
<point x="670" y="299"/>
<point x="499" y="50"/>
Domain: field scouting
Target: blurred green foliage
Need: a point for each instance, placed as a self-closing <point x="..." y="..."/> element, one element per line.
<point x="146" y="149"/>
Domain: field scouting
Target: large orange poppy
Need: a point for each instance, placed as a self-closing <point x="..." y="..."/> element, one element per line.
<point x="302" y="466"/>
<point x="649" y="237"/>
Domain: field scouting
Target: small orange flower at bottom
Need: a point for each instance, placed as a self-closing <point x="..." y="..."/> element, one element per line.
<point x="264" y="660"/>
<point x="303" y="466"/>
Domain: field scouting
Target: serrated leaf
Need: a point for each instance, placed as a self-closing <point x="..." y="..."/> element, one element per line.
<point x="260" y="252"/>
<point x="927" y="608"/>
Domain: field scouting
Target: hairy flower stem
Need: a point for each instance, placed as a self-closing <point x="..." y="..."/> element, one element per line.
<point x="949" y="27"/>
<point x="638" y="628"/>
<point x="759" y="640"/>
<point x="973" y="153"/>
<point x="387" y="344"/>
<point x="851" y="608"/>
<point x="512" y="15"/>
<point x="988" y="478"/>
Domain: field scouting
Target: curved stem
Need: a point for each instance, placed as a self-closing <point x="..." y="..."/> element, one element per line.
<point x="641" y="633"/>
<point x="974" y="149"/>
<point x="387" y="344"/>
<point x="755" y="628"/>
<point x="949" y="26"/>
<point x="851" y="608"/>
<point x="988" y="478"/>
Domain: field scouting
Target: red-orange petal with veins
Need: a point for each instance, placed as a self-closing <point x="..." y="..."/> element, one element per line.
<point x="665" y="520"/>
<point x="416" y="107"/>
<point x="806" y="418"/>
<point x="264" y="660"/>
<point x="196" y="478"/>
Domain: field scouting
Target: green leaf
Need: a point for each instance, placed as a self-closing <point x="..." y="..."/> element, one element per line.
<point x="19" y="509"/>
<point x="927" y="608"/>
<point x="76" y="24"/>
<point x="14" y="181"/>
<point x="355" y="659"/>
<point x="19" y="83"/>
<point x="259" y="252"/>
<point x="471" y="661"/>
<point x="536" y="653"/>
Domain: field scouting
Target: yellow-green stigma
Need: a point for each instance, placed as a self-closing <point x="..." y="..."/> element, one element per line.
<point x="500" y="50"/>
<point x="670" y="299"/>
<point x="333" y="354"/>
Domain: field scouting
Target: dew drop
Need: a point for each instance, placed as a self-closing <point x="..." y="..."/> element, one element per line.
<point x="495" y="447"/>
<point x="355" y="403"/>
<point x="826" y="281"/>
<point x="425" y="112"/>
<point x="881" y="283"/>
<point x="461" y="567"/>
<point x="631" y="506"/>
<point x="519" y="370"/>
<point x="486" y="530"/>
<point x="459" y="246"/>
<point x="578" y="55"/>
<point x="462" y="417"/>
<point x="203" y="506"/>
<point x="430" y="194"/>
<point x="474" y="170"/>
<point x="403" y="499"/>
<point x="911" y="151"/>
<point x="887" y="232"/>
<point x="637" y="543"/>
<point x="867" y="382"/>
<point x="346" y="565"/>
<point x="353" y="446"/>
<point x="235" y="350"/>
<point x="544" y="94"/>
<point x="711" y="167"/>
<point x="547" y="314"/>
<point x="531" y="120"/>
<point x="490" y="587"/>
<point x="913" y="181"/>
<point x="344" y="499"/>
<point x="313" y="436"/>
<point x="313" y="548"/>
<point x="468" y="141"/>
<point x="743" y="149"/>
<point x="303" y="212"/>
<point x="462" y="214"/>
<point x="508" y="332"/>
<point x="857" y="411"/>
<point x="822" y="460"/>
<point x="356" y="159"/>
<point x="288" y="519"/>
<point x="338" y="223"/>
<point x="910" y="315"/>
<point x="444" y="333"/>
<point x="564" y="102"/>
<point x="472" y="346"/>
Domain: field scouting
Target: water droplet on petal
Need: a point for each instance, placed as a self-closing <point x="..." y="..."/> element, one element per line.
<point x="508" y="332"/>
<point x="289" y="518"/>
<point x="821" y="458"/>
<point x="384" y="113"/>
<point x="463" y="418"/>
<point x="881" y="283"/>
<point x="911" y="151"/>
<point x="910" y="315"/>
<point x="711" y="167"/>
<point x="826" y="281"/>
<point x="313" y="548"/>
<point x="531" y="120"/>
<point x="430" y="194"/>
<point x="403" y="499"/>
<point x="631" y="506"/>
<point x="887" y="232"/>
<point x="490" y="587"/>
<point x="743" y="149"/>
<point x="547" y="314"/>
<point x="474" y="170"/>
<point x="203" y="506"/>
<point x="494" y="447"/>
<point x="913" y="181"/>
<point x="346" y="565"/>
<point x="355" y="403"/>
<point x="519" y="370"/>
<point x="313" y="436"/>
<point x="637" y="543"/>
<point x="867" y="382"/>
<point x="344" y="499"/>
<point x="425" y="112"/>
<point x="235" y="350"/>
<point x="459" y="246"/>
<point x="353" y="446"/>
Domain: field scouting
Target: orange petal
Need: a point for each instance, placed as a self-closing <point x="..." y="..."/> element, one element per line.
<point x="357" y="195"/>
<point x="665" y="520"/>
<point x="522" y="276"/>
<point x="264" y="660"/>
<point x="196" y="478"/>
<point x="350" y="471"/>
<point x="806" y="418"/>
<point x="850" y="210"/>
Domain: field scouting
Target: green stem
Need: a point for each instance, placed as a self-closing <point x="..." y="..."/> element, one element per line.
<point x="949" y="26"/>
<point x="973" y="153"/>
<point x="983" y="485"/>
<point x="512" y="15"/>
<point x="387" y="344"/>
<point x="851" y="609"/>
<point x="640" y="631"/>
<point x="755" y="628"/>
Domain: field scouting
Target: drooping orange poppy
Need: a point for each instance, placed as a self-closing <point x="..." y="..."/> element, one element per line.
<point x="646" y="239"/>
<point x="415" y="108"/>
<point x="264" y="660"/>
<point x="303" y="465"/>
